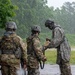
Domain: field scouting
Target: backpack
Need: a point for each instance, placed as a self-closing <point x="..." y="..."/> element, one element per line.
<point x="10" y="46"/>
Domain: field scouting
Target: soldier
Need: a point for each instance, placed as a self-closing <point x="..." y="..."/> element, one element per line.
<point x="60" y="42"/>
<point x="34" y="51"/>
<point x="12" y="50"/>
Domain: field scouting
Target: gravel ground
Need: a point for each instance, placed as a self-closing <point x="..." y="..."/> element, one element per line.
<point x="49" y="70"/>
<point x="54" y="70"/>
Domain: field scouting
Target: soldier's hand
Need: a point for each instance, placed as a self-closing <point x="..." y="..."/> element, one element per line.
<point x="24" y="66"/>
<point x="45" y="59"/>
<point x="47" y="39"/>
<point x="44" y="48"/>
<point x="46" y="43"/>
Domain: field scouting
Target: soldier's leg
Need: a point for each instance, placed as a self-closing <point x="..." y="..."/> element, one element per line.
<point x="65" y="69"/>
<point x="13" y="71"/>
<point x="61" y="67"/>
<point x="32" y="71"/>
<point x="5" y="70"/>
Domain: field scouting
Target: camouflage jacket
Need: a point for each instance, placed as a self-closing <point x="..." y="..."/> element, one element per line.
<point x="34" y="51"/>
<point x="9" y="58"/>
<point x="60" y="42"/>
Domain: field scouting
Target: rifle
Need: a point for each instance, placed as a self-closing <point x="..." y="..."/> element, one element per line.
<point x="42" y="64"/>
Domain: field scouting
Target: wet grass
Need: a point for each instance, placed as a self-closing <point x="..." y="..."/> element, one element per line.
<point x="72" y="61"/>
<point x="52" y="55"/>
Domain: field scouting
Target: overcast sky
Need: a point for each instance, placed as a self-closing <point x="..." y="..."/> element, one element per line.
<point x="58" y="3"/>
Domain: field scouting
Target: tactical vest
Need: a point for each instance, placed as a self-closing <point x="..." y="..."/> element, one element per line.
<point x="9" y="46"/>
<point x="30" y="48"/>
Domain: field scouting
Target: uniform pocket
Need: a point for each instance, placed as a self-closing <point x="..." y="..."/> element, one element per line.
<point x="32" y="62"/>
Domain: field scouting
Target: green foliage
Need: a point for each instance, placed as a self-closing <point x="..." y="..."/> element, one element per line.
<point x="65" y="16"/>
<point x="43" y="37"/>
<point x="6" y="11"/>
<point x="36" y="12"/>
<point x="71" y="39"/>
<point x="31" y="12"/>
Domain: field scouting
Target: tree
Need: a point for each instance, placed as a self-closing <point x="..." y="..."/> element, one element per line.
<point x="65" y="16"/>
<point x="7" y="11"/>
<point x="31" y="12"/>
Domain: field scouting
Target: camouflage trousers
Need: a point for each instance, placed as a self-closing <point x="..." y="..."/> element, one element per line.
<point x="65" y="68"/>
<point x="33" y="71"/>
<point x="7" y="70"/>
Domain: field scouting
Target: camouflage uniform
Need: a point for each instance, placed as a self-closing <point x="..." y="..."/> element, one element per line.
<point x="10" y="61"/>
<point x="60" y="42"/>
<point x="34" y="51"/>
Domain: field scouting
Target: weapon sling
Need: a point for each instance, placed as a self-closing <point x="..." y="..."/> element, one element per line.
<point x="42" y="64"/>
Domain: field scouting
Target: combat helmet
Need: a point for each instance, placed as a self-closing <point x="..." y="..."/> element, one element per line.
<point x="36" y="28"/>
<point x="10" y="25"/>
<point x="49" y="23"/>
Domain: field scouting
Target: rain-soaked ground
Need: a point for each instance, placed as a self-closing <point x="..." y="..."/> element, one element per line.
<point x="49" y="70"/>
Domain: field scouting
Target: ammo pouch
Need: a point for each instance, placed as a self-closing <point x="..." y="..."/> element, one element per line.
<point x="16" y="52"/>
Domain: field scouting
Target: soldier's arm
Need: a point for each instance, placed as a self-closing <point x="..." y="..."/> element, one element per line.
<point x="24" y="52"/>
<point x="57" y="39"/>
<point x="38" y="48"/>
